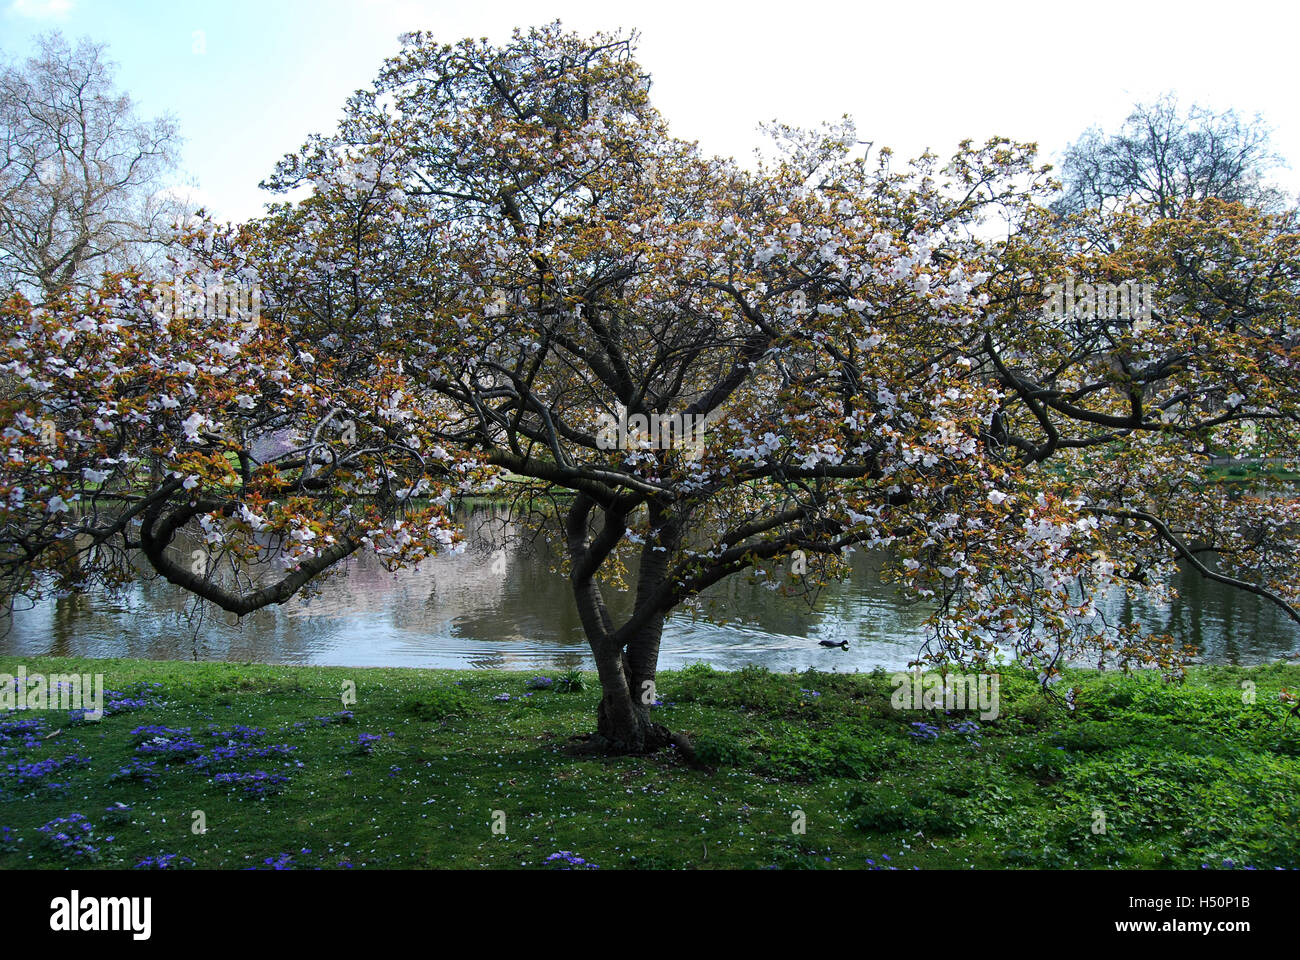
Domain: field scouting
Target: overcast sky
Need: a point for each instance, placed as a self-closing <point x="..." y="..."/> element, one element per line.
<point x="250" y="79"/>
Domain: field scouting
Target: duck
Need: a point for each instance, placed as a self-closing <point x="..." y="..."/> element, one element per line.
<point x="843" y="644"/>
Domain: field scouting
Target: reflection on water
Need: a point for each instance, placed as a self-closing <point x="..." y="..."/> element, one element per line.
<point x="510" y="610"/>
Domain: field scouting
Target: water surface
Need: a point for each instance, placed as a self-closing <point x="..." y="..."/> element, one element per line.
<point x="509" y="609"/>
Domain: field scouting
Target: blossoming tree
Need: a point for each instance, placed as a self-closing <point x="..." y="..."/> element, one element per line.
<point x="503" y="251"/>
<point x="133" y="422"/>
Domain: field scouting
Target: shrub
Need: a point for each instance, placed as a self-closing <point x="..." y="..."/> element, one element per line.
<point x="1091" y="736"/>
<point x="1038" y="760"/>
<point x="570" y="682"/>
<point x="804" y="753"/>
<point x="885" y="809"/>
<point x="438" y="704"/>
<point x="717" y="750"/>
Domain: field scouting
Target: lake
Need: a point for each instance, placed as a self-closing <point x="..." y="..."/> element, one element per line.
<point x="507" y="608"/>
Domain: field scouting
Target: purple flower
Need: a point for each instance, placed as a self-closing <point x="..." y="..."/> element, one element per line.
<point x="258" y="784"/>
<point x="572" y="859"/>
<point x="142" y="771"/>
<point x="924" y="731"/>
<point x="281" y="861"/>
<point x="25" y="774"/>
<point x="72" y="836"/>
<point x="164" y="861"/>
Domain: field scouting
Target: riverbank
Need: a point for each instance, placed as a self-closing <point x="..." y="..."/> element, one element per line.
<point x="230" y="766"/>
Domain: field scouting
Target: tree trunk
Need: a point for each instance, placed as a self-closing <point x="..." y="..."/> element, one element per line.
<point x="626" y="660"/>
<point x="623" y="722"/>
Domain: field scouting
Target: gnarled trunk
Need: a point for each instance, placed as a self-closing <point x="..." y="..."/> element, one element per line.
<point x="627" y="684"/>
<point x="626" y="658"/>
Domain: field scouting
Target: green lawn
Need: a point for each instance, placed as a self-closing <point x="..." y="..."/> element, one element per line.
<point x="1184" y="775"/>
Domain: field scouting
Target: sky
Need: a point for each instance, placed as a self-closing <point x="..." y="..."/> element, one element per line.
<point x="249" y="80"/>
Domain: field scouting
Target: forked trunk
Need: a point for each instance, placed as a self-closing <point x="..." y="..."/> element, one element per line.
<point x="626" y="659"/>
<point x="623" y="722"/>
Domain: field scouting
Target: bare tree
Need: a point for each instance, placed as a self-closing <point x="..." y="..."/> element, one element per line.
<point x="1163" y="157"/>
<point x="82" y="177"/>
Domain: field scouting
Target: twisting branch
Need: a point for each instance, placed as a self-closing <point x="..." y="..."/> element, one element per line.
<point x="1189" y="555"/>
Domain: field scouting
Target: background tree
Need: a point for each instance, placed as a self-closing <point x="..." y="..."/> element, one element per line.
<point x="503" y="249"/>
<point x="81" y="175"/>
<point x="1163" y="156"/>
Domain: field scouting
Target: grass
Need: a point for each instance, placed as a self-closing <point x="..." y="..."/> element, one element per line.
<point x="1239" y="473"/>
<point x="1185" y="775"/>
